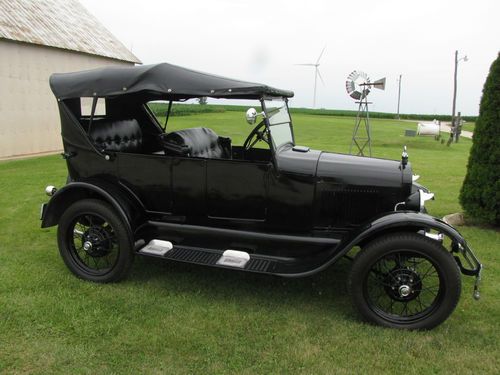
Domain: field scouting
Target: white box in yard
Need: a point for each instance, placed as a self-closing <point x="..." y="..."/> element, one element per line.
<point x="429" y="128"/>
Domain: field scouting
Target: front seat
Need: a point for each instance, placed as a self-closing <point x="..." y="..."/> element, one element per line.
<point x="117" y="136"/>
<point x="196" y="142"/>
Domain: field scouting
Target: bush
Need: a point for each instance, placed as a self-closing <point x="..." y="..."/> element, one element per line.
<point x="480" y="193"/>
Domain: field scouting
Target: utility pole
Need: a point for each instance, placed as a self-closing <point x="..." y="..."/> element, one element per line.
<point x="458" y="129"/>
<point x="454" y="92"/>
<point x="399" y="93"/>
<point x="454" y="124"/>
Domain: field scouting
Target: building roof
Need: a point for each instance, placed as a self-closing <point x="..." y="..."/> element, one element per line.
<point x="164" y="80"/>
<point x="64" y="24"/>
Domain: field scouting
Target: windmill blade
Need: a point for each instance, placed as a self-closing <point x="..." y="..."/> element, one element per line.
<point x="306" y="64"/>
<point x="319" y="75"/>
<point x="321" y="54"/>
<point x="379" y="84"/>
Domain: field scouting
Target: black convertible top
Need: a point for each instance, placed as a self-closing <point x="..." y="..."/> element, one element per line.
<point x="160" y="80"/>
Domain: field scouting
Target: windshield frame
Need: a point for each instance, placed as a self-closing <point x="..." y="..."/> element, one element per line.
<point x="263" y="100"/>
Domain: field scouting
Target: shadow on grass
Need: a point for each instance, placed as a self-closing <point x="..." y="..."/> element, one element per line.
<point x="413" y="144"/>
<point x="325" y="291"/>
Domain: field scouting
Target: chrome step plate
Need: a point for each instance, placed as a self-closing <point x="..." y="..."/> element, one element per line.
<point x="157" y="247"/>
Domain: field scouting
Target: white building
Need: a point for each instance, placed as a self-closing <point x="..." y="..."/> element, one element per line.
<point x="38" y="38"/>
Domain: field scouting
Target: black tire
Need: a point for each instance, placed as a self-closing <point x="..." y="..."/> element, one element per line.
<point x="110" y="255"/>
<point x="395" y="274"/>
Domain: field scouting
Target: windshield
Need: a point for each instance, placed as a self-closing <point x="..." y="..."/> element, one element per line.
<point x="279" y="121"/>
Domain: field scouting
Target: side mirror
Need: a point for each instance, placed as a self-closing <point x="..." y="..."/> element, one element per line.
<point x="251" y="116"/>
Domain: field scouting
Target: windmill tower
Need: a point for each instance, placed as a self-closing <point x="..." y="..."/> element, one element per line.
<point x="316" y="74"/>
<point x="358" y="87"/>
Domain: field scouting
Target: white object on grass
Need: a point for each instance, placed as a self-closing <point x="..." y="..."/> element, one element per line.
<point x="428" y="128"/>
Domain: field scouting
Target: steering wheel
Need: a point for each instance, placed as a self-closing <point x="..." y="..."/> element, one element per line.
<point x="256" y="135"/>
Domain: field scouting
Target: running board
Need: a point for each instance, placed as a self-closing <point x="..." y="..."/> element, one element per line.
<point x="270" y="244"/>
<point x="216" y="258"/>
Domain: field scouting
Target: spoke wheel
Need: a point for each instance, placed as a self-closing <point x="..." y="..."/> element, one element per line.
<point x="403" y="286"/>
<point x="94" y="242"/>
<point x="405" y="280"/>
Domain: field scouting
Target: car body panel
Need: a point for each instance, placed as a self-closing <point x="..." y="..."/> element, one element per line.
<point x="237" y="190"/>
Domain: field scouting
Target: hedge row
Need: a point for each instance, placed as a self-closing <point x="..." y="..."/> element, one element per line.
<point x="190" y="109"/>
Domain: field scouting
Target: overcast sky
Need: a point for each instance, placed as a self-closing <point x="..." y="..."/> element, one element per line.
<point x="261" y="40"/>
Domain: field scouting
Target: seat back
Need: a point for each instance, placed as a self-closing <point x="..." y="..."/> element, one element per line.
<point x="118" y="136"/>
<point x="197" y="142"/>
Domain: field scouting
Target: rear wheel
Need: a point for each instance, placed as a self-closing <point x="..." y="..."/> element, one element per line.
<point x="94" y="242"/>
<point x="405" y="280"/>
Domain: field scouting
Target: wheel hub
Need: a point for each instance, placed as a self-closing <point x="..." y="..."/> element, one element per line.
<point x="87" y="246"/>
<point x="404" y="291"/>
<point x="403" y="284"/>
<point x="96" y="242"/>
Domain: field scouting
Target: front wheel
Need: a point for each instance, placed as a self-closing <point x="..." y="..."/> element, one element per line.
<point x="94" y="242"/>
<point x="405" y="280"/>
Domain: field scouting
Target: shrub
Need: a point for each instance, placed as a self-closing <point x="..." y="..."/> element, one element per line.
<point x="480" y="193"/>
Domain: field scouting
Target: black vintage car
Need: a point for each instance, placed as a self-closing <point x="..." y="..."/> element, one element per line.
<point x="136" y="188"/>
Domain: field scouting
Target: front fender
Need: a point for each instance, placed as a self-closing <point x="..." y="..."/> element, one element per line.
<point x="399" y="221"/>
<point x="415" y="221"/>
<point x="405" y="220"/>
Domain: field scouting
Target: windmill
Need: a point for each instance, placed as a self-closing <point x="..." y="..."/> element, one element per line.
<point x="358" y="86"/>
<point x="316" y="74"/>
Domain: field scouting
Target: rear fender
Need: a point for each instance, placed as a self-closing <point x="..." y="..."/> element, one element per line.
<point x="126" y="206"/>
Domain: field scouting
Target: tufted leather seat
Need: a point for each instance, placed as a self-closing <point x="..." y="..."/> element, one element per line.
<point x="118" y="136"/>
<point x="197" y="142"/>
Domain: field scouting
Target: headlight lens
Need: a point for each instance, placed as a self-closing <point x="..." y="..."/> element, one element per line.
<point x="424" y="197"/>
<point x="50" y="190"/>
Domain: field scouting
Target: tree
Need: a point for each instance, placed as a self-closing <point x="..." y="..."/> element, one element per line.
<point x="480" y="193"/>
<point x="202" y="100"/>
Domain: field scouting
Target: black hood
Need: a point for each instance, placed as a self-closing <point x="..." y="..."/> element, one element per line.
<point x="344" y="169"/>
<point x="357" y="170"/>
<point x="347" y="189"/>
<point x="298" y="162"/>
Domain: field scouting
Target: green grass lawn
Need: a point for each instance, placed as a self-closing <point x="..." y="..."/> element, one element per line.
<point x="469" y="126"/>
<point x="183" y="319"/>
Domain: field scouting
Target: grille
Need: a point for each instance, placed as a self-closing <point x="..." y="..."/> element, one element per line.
<point x="350" y="205"/>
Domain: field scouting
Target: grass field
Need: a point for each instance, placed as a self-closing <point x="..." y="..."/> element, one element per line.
<point x="469" y="126"/>
<point x="182" y="319"/>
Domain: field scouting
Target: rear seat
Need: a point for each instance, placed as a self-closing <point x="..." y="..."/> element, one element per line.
<point x="117" y="136"/>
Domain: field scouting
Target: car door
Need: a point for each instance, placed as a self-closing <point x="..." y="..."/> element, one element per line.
<point x="189" y="187"/>
<point x="149" y="178"/>
<point x="237" y="189"/>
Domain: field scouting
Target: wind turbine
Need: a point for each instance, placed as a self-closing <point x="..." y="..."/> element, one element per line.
<point x="316" y="74"/>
